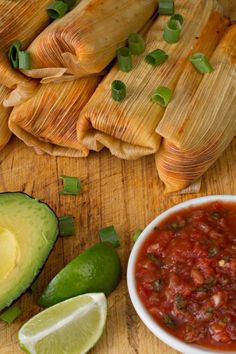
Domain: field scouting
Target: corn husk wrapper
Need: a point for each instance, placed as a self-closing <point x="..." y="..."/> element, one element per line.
<point x="127" y="128"/>
<point x="84" y="41"/>
<point x="209" y="122"/>
<point x="5" y="133"/>
<point x="47" y="121"/>
<point x="23" y="20"/>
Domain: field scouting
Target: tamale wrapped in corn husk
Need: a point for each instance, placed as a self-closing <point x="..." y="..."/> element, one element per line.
<point x="206" y="126"/>
<point x="84" y="41"/>
<point x="5" y="133"/>
<point x="127" y="128"/>
<point x="47" y="121"/>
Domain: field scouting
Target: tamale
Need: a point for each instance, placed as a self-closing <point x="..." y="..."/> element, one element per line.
<point x="84" y="41"/>
<point x="47" y="121"/>
<point x="5" y="133"/>
<point x="209" y="122"/>
<point x="127" y="128"/>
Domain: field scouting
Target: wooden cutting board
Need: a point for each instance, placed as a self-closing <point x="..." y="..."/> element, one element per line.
<point x="127" y="194"/>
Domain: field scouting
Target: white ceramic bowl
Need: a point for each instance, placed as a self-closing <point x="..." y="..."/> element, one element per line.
<point x="145" y="316"/>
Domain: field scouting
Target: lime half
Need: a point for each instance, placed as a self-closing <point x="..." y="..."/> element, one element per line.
<point x="70" y="327"/>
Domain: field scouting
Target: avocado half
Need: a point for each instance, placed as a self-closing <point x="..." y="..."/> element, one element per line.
<point x="28" y="231"/>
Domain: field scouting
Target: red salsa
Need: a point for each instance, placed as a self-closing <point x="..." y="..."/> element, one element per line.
<point x="186" y="275"/>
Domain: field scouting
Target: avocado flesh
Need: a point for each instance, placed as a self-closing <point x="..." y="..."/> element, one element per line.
<point x="28" y="231"/>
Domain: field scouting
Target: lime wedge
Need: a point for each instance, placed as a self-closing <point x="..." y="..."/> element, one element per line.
<point x="70" y="327"/>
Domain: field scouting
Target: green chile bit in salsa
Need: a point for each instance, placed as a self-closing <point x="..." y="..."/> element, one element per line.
<point x="186" y="275"/>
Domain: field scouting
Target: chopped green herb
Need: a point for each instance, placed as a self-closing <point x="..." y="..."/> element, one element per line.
<point x="210" y="281"/>
<point x="172" y="31"/>
<point x="201" y="63"/>
<point x="71" y="185"/>
<point x="166" y="7"/>
<point x="109" y="234"/>
<point x="66" y="225"/>
<point x="136" y="44"/>
<point x="13" y="54"/>
<point x="169" y="321"/>
<point x="11" y="314"/>
<point x="157" y="285"/>
<point x="118" y="90"/>
<point x="201" y="290"/>
<point x="226" y="258"/>
<point x="137" y="234"/>
<point x="215" y="215"/>
<point x="154" y="259"/>
<point x="25" y="61"/>
<point x="213" y="251"/>
<point x="180" y="302"/>
<point x="162" y="95"/>
<point x="124" y="59"/>
<point x="210" y="310"/>
<point x="157" y="57"/>
<point x="57" y="9"/>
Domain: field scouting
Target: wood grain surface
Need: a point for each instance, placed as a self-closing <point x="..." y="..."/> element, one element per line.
<point x="127" y="194"/>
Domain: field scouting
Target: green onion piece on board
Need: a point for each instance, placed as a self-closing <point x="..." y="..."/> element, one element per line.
<point x="13" y="54"/>
<point x="11" y="314"/>
<point x="118" y="90"/>
<point x="57" y="9"/>
<point x="136" y="44"/>
<point x="178" y="17"/>
<point x="25" y="61"/>
<point x="109" y="234"/>
<point x="162" y="96"/>
<point x="70" y="3"/>
<point x="172" y="31"/>
<point x="124" y="59"/>
<point x="166" y="7"/>
<point x="157" y="57"/>
<point x="137" y="234"/>
<point x="34" y="285"/>
<point x="71" y="185"/>
<point x="201" y="63"/>
<point x="66" y="225"/>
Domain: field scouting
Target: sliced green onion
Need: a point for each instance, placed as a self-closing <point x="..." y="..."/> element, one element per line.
<point x="71" y="185"/>
<point x="118" y="90"/>
<point x="25" y="60"/>
<point x="201" y="63"/>
<point x="169" y="321"/>
<point x="57" y="9"/>
<point x="70" y="3"/>
<point x="13" y="54"/>
<point x="109" y="234"/>
<point x="136" y="44"/>
<point x="162" y="96"/>
<point x="157" y="57"/>
<point x="178" y="17"/>
<point x="11" y="314"/>
<point x="172" y="31"/>
<point x="124" y="59"/>
<point x="166" y="7"/>
<point x="137" y="234"/>
<point x="66" y="225"/>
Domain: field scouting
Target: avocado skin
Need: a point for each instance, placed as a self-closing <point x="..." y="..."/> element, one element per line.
<point x="20" y="288"/>
<point x="94" y="270"/>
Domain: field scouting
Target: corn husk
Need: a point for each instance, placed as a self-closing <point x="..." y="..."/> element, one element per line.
<point x="127" y="128"/>
<point x="23" y="20"/>
<point x="47" y="121"/>
<point x="84" y="41"/>
<point x="5" y="133"/>
<point x="209" y="122"/>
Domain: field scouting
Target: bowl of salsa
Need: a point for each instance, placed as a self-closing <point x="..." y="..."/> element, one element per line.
<point x="182" y="275"/>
